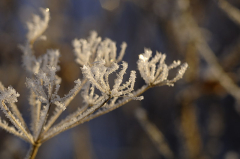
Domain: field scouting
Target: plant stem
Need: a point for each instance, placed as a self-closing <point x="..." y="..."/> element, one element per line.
<point x="33" y="151"/>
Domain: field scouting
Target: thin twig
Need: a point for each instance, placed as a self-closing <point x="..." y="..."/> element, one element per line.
<point x="59" y="112"/>
<point x="17" y="123"/>
<point x="232" y="12"/>
<point x="47" y="137"/>
<point x="124" y="101"/>
<point x="154" y="134"/>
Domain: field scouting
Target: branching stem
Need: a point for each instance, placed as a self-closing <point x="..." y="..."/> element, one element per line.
<point x="33" y="151"/>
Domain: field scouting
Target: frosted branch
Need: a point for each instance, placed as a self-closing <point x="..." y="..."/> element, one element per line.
<point x="4" y="125"/>
<point x="38" y="25"/>
<point x="10" y="95"/>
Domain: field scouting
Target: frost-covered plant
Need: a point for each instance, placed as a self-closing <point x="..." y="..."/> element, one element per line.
<point x="98" y="59"/>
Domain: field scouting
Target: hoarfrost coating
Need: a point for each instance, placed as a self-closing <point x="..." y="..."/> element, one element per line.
<point x="98" y="59"/>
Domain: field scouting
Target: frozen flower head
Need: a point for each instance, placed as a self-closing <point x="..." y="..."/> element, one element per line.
<point x="98" y="76"/>
<point x="154" y="71"/>
<point x="94" y="49"/>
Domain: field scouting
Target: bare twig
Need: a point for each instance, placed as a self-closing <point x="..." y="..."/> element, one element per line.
<point x="154" y="134"/>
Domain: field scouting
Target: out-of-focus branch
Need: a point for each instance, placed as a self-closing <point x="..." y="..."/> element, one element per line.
<point x="191" y="30"/>
<point x="82" y="143"/>
<point x="190" y="129"/>
<point x="217" y="71"/>
<point x="154" y="134"/>
<point x="231" y="57"/>
<point x="232" y="12"/>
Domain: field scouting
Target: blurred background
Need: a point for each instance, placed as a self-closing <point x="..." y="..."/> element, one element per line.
<point x="198" y="118"/>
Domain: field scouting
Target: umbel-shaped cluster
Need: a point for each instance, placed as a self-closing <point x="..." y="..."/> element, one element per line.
<point x="97" y="59"/>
